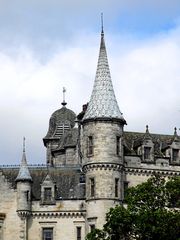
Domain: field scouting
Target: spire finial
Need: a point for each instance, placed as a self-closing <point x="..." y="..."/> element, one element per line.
<point x="147" y="129"/>
<point x="64" y="102"/>
<point x="102" y="24"/>
<point x="24" y="144"/>
<point x="175" y="131"/>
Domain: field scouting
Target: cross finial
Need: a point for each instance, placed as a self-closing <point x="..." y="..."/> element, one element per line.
<point x="24" y="144"/>
<point x="64" y="102"/>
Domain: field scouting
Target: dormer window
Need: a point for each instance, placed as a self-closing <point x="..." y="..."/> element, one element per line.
<point x="147" y="151"/>
<point x="47" y="194"/>
<point x="175" y="153"/>
<point x="48" y="191"/>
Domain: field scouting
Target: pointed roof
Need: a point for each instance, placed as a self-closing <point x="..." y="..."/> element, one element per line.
<point x="24" y="174"/>
<point x="147" y="135"/>
<point x="176" y="137"/>
<point x="103" y="103"/>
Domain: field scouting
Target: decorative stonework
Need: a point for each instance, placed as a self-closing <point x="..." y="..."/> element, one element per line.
<point x="149" y="172"/>
<point x="102" y="166"/>
<point x="58" y="214"/>
<point x="23" y="214"/>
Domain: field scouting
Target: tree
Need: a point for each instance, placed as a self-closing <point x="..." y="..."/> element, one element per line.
<point x="96" y="234"/>
<point x="151" y="213"/>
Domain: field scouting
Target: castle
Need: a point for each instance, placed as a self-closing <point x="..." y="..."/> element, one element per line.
<point x="91" y="161"/>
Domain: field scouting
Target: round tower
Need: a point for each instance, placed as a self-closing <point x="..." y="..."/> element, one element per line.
<point x="102" y="129"/>
<point x="23" y="183"/>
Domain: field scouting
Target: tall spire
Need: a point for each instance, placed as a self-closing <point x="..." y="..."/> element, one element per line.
<point x="24" y="174"/>
<point x="102" y="24"/>
<point x="103" y="103"/>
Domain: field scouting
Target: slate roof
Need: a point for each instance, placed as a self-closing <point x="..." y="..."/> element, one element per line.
<point x="69" y="139"/>
<point x="24" y="174"/>
<point x="69" y="182"/>
<point x="132" y="140"/>
<point x="62" y="116"/>
<point x="103" y="103"/>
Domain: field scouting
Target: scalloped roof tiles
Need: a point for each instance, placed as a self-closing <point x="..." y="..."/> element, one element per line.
<point x="103" y="103"/>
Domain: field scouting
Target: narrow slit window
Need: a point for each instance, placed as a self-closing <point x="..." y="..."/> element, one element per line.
<point x="117" y="145"/>
<point x="90" y="145"/>
<point x="78" y="229"/>
<point x="92" y="227"/>
<point x="116" y="187"/>
<point x="126" y="185"/>
<point x="92" y="187"/>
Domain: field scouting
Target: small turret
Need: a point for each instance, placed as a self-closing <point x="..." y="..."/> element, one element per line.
<point x="23" y="182"/>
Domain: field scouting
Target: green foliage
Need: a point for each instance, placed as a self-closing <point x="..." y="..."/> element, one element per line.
<point x="173" y="190"/>
<point x="151" y="213"/>
<point x="96" y="234"/>
<point x="119" y="223"/>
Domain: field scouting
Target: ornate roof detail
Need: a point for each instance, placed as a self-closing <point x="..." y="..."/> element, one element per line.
<point x="147" y="135"/>
<point x="61" y="120"/>
<point x="103" y="103"/>
<point x="176" y="137"/>
<point x="24" y="174"/>
<point x="64" y="102"/>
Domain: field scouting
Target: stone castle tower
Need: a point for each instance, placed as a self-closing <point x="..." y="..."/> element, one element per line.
<point x="102" y="128"/>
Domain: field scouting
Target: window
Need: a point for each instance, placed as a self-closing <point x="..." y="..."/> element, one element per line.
<point x="1" y="232"/>
<point x="92" y="227"/>
<point x="125" y="188"/>
<point x="147" y="151"/>
<point x="27" y="194"/>
<point x="175" y="153"/>
<point x="117" y="145"/>
<point x="116" y="186"/>
<point x="47" y="194"/>
<point x="90" y="145"/>
<point x="92" y="187"/>
<point x="47" y="233"/>
<point x="2" y="217"/>
<point x="78" y="233"/>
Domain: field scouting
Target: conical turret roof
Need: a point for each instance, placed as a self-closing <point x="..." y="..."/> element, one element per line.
<point x="24" y="174"/>
<point x="103" y="103"/>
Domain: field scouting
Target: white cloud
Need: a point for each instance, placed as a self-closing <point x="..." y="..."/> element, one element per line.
<point x="145" y="75"/>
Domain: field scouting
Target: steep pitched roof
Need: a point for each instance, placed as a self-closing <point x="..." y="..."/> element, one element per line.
<point x="24" y="174"/>
<point x="68" y="181"/>
<point x="103" y="103"/>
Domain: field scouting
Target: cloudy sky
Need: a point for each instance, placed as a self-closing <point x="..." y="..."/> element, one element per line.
<point x="45" y="45"/>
